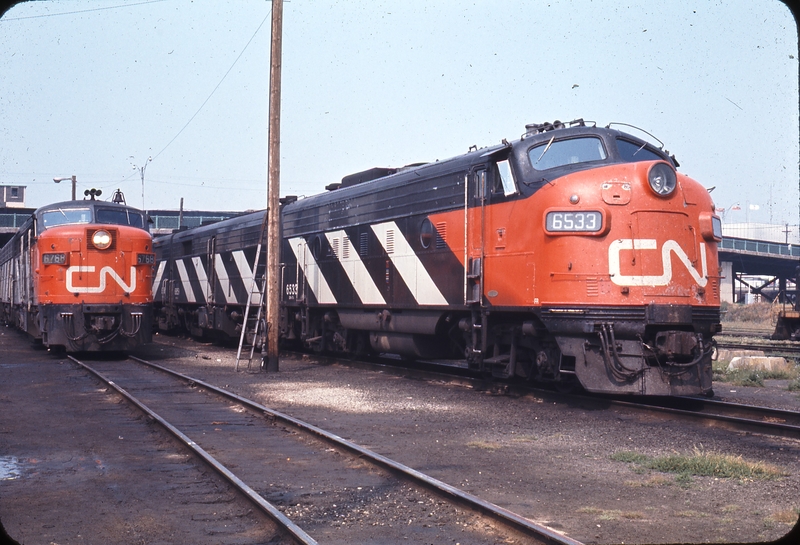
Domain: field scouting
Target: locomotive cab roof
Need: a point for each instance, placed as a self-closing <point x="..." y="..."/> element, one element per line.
<point x="89" y="211"/>
<point x="617" y="146"/>
<point x="543" y="154"/>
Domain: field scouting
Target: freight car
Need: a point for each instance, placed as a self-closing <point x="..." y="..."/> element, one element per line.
<point x="574" y="255"/>
<point x="77" y="276"/>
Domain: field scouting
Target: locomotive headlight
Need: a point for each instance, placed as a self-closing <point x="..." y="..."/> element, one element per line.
<point x="101" y="239"/>
<point x="662" y="178"/>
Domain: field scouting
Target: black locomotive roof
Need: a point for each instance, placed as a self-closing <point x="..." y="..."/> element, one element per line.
<point x="229" y="233"/>
<point x="105" y="212"/>
<point x="72" y="205"/>
<point x="383" y="193"/>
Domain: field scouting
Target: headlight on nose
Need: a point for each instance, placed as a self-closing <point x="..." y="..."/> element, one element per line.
<point x="662" y="178"/>
<point x="101" y="239"/>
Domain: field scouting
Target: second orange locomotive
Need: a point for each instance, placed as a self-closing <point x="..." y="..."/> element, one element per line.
<point x="78" y="276"/>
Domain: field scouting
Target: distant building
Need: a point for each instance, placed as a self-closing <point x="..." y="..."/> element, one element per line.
<point x="12" y="196"/>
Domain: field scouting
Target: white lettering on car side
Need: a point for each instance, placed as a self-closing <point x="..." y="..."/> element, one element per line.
<point x="669" y="247"/>
<point x="104" y="272"/>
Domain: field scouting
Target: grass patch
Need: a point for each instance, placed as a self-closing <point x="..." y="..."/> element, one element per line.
<point x="781" y="375"/>
<point x="754" y="312"/>
<point x="794" y="385"/>
<point x="524" y="439"/>
<point x="485" y="445"/>
<point x="789" y="516"/>
<point x="691" y="514"/>
<point x="590" y="510"/>
<point x="651" y="482"/>
<point x="751" y="377"/>
<point x="744" y="377"/>
<point x="611" y="514"/>
<point x="684" y="479"/>
<point x="630" y="457"/>
<point x="709" y="464"/>
<point x="703" y="464"/>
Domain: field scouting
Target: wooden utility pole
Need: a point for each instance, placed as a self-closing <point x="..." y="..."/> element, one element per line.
<point x="270" y="360"/>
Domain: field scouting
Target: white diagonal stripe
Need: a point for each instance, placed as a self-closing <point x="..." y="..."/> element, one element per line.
<point x="224" y="280"/>
<point x="247" y="275"/>
<point x="187" y="286"/>
<point x="159" y="274"/>
<point x="202" y="277"/>
<point x="408" y="265"/>
<point x="355" y="269"/>
<point x="316" y="281"/>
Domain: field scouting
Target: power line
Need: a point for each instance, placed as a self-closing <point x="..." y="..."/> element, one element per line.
<point x="215" y="88"/>
<point x="4" y="19"/>
<point x="207" y="98"/>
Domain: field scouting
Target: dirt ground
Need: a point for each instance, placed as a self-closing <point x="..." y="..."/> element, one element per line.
<point x="78" y="469"/>
<point x="547" y="461"/>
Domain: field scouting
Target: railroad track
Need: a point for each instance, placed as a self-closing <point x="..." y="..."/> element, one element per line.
<point x="781" y="348"/>
<point x="246" y="442"/>
<point x="732" y="416"/>
<point x="731" y="329"/>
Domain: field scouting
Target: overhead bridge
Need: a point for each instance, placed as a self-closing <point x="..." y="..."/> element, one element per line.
<point x="757" y="267"/>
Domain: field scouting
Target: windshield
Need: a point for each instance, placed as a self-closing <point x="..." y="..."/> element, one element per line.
<point x="636" y="152"/>
<point x="117" y="216"/>
<point x="51" y="218"/>
<point x="566" y="152"/>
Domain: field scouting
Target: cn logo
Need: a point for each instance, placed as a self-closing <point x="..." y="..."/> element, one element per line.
<point x="669" y="247"/>
<point x="104" y="272"/>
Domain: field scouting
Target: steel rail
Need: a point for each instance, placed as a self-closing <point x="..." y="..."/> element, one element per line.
<point x="734" y="416"/>
<point x="790" y="350"/>
<point x="752" y="423"/>
<point x="509" y="518"/>
<point x="728" y="415"/>
<point x="295" y="531"/>
<point x="755" y="412"/>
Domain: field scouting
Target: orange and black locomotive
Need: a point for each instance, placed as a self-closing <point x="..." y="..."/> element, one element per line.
<point x="573" y="255"/>
<point x="77" y="276"/>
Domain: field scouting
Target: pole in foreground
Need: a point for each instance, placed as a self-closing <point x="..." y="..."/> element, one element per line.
<point x="273" y="190"/>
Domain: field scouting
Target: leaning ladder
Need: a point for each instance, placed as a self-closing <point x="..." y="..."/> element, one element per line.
<point x="247" y="323"/>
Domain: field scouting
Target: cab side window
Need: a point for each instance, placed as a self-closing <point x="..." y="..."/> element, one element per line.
<point x="504" y="182"/>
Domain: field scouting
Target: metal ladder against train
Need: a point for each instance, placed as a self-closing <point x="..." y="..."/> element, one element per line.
<point x="248" y="323"/>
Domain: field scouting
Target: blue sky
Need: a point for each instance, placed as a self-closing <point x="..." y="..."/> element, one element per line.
<point x="95" y="88"/>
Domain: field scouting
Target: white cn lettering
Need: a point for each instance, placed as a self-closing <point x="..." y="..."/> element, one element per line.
<point x="669" y="246"/>
<point x="105" y="271"/>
